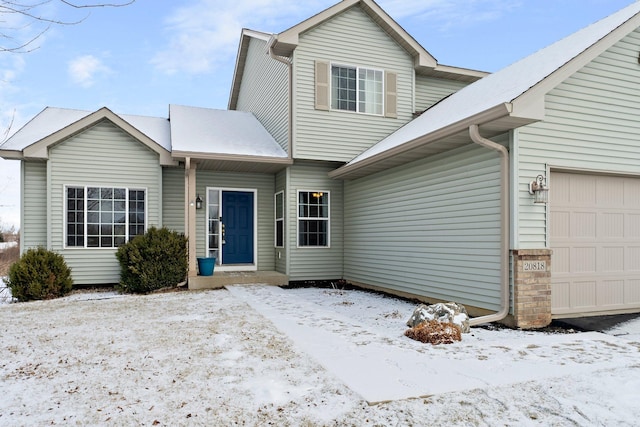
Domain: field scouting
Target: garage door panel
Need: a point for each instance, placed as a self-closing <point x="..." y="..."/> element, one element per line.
<point x="595" y="238"/>
<point x="632" y="226"/>
<point x="611" y="226"/>
<point x="561" y="259"/>
<point x="609" y="192"/>
<point x="612" y="259"/>
<point x="633" y="259"/>
<point x="582" y="191"/>
<point x="561" y="294"/>
<point x="583" y="294"/>
<point x="583" y="225"/>
<point x="632" y="194"/>
<point x="632" y="291"/>
<point x="610" y="293"/>
<point x="560" y="224"/>
<point x="583" y="260"/>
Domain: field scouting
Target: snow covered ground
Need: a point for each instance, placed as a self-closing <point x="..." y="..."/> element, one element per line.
<point x="225" y="357"/>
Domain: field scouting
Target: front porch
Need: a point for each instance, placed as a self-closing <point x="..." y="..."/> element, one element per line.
<point x="224" y="278"/>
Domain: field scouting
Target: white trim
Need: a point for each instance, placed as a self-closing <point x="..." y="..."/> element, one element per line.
<point x="514" y="160"/>
<point x="275" y="219"/>
<point x="219" y="262"/>
<point x="65" y="246"/>
<point x="357" y="68"/>
<point x="298" y="218"/>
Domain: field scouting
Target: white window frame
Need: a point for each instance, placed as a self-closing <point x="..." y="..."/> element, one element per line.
<point x="85" y="235"/>
<point x="278" y="219"/>
<point x="357" y="69"/>
<point x="299" y="218"/>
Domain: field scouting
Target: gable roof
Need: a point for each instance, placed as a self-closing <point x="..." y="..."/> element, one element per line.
<point x="54" y="125"/>
<point x="229" y="140"/>
<point x="284" y="43"/>
<point x="509" y="98"/>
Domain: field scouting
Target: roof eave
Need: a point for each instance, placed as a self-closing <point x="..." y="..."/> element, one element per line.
<point x="11" y="154"/>
<point x="40" y="149"/>
<point x="180" y="154"/>
<point x="235" y="163"/>
<point x="365" y="167"/>
<point x="241" y="57"/>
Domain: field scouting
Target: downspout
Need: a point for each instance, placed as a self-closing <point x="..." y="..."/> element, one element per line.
<point x="474" y="133"/>
<point x="289" y="63"/>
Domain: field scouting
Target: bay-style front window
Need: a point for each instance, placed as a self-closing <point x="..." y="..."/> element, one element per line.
<point x="313" y="219"/>
<point x="103" y="217"/>
<point x="357" y="89"/>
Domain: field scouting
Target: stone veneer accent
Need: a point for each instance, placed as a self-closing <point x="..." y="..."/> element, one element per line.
<point x="531" y="287"/>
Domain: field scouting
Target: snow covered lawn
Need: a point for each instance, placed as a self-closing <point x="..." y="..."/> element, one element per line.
<point x="209" y="358"/>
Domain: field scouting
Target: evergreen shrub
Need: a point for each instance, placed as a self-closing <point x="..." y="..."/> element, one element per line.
<point x="155" y="260"/>
<point x="39" y="274"/>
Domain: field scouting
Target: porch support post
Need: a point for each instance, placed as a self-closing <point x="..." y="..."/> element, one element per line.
<point x="190" y="213"/>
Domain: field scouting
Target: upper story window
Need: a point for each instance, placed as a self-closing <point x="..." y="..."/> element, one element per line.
<point x="103" y="217"/>
<point x="357" y="89"/>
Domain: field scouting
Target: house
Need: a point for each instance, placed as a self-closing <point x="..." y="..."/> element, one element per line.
<point x="349" y="152"/>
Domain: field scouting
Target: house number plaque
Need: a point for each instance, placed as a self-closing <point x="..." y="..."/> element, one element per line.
<point x="534" y="265"/>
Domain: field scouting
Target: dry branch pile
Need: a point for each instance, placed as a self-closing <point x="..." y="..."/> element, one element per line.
<point x="435" y="332"/>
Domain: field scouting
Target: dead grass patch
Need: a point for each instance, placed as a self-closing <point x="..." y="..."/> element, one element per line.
<point x="435" y="332"/>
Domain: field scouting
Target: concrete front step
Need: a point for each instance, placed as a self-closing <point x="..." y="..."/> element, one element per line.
<point x="224" y="278"/>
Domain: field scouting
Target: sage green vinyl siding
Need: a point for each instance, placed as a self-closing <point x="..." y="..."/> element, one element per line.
<point x="173" y="203"/>
<point x="33" y="232"/>
<point x="591" y="123"/>
<point x="350" y="38"/>
<point x="281" y="253"/>
<point x="430" y="90"/>
<point x="101" y="156"/>
<point x="265" y="91"/>
<point x="264" y="184"/>
<point x="429" y="228"/>
<point x="315" y="263"/>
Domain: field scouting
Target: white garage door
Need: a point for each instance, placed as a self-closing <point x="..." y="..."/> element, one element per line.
<point x="595" y="238"/>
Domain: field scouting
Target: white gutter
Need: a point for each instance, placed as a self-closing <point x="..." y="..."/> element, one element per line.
<point x="504" y="226"/>
<point x="289" y="65"/>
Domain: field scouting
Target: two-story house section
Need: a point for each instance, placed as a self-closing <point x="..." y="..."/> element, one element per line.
<point x="327" y="89"/>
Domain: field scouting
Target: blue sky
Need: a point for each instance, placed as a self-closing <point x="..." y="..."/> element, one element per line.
<point x="141" y="58"/>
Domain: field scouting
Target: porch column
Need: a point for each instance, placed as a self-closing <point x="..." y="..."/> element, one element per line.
<point x="190" y="213"/>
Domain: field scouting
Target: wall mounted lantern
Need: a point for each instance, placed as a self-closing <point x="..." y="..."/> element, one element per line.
<point x="198" y="202"/>
<point x="539" y="190"/>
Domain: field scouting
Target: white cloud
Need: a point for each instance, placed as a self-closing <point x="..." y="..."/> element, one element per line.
<point x="83" y="70"/>
<point x="206" y="33"/>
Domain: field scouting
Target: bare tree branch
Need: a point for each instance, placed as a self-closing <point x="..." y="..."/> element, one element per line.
<point x="68" y="3"/>
<point x="30" y="11"/>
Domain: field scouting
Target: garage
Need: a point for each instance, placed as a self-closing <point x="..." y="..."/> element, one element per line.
<point x="594" y="233"/>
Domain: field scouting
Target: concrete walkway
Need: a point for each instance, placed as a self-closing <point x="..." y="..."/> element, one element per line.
<point x="382" y="368"/>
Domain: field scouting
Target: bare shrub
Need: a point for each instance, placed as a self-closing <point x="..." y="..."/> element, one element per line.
<point x="435" y="332"/>
<point x="8" y="257"/>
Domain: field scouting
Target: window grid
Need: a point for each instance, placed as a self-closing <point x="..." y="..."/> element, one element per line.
<point x="104" y="217"/>
<point x="313" y="218"/>
<point x="357" y="89"/>
<point x="75" y="216"/>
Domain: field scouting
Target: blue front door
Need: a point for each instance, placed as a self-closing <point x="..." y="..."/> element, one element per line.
<point x="237" y="217"/>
